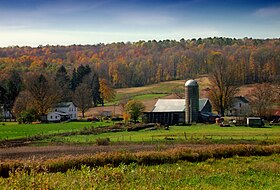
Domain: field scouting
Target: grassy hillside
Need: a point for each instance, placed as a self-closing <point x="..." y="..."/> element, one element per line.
<point x="158" y="90"/>
<point x="151" y="93"/>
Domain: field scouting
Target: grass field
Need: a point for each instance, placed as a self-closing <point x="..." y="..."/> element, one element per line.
<point x="182" y="133"/>
<point x="232" y="173"/>
<point x="194" y="132"/>
<point x="12" y="130"/>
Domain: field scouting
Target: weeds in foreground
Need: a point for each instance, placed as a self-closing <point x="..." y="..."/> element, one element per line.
<point x="232" y="173"/>
<point x="141" y="158"/>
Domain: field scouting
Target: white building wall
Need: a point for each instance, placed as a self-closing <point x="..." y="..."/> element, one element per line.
<point x="71" y="111"/>
<point x="52" y="116"/>
<point x="239" y="109"/>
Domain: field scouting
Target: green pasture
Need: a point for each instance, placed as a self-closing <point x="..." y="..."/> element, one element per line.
<point x="232" y="173"/>
<point x="175" y="133"/>
<point x="12" y="130"/>
<point x="183" y="133"/>
<point x="141" y="97"/>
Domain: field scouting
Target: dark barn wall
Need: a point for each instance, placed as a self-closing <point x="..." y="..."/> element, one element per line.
<point x="170" y="118"/>
<point x="207" y="107"/>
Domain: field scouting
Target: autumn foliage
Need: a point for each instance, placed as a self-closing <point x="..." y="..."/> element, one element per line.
<point x="146" y="62"/>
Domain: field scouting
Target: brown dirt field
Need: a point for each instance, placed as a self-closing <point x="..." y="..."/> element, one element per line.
<point x="49" y="152"/>
<point x="97" y="111"/>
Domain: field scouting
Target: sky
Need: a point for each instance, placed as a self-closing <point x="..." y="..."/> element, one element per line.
<point x="67" y="22"/>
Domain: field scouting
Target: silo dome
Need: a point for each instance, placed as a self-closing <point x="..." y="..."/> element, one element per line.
<point x="191" y="83"/>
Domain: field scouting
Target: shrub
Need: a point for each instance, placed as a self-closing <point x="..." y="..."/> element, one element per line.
<point x="28" y="116"/>
<point x="103" y="141"/>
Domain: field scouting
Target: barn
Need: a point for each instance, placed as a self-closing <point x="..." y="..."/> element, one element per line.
<point x="188" y="110"/>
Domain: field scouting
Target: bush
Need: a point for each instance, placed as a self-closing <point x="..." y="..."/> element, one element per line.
<point x="103" y="141"/>
<point x="28" y="116"/>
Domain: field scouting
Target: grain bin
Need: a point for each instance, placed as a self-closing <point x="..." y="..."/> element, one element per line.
<point x="192" y="101"/>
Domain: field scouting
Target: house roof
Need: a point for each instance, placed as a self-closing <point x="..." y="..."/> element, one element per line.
<point x="59" y="113"/>
<point x="240" y="99"/>
<point x="175" y="105"/>
<point x="64" y="104"/>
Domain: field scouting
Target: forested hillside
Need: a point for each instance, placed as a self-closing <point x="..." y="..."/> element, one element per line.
<point x="146" y="62"/>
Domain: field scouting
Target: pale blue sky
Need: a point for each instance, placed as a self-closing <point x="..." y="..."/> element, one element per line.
<point x="65" y="22"/>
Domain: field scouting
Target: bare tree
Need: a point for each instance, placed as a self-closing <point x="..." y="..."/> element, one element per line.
<point x="223" y="87"/>
<point x="263" y="97"/>
<point x="83" y="97"/>
<point x="44" y="93"/>
<point x="23" y="102"/>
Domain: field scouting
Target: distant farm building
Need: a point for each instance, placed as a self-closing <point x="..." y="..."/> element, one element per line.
<point x="240" y="107"/>
<point x="188" y="110"/>
<point x="5" y="114"/>
<point x="62" y="112"/>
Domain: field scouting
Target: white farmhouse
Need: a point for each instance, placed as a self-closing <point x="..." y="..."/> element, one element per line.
<point x="62" y="112"/>
<point x="240" y="107"/>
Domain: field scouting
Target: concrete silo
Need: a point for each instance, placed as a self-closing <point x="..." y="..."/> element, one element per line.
<point x="192" y="101"/>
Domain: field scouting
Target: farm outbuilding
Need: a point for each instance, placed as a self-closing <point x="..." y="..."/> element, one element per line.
<point x="188" y="110"/>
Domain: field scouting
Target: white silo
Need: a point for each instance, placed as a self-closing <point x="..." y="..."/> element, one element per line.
<point x="192" y="101"/>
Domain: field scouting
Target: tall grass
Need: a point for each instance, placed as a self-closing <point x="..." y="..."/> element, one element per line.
<point x="141" y="158"/>
<point x="233" y="173"/>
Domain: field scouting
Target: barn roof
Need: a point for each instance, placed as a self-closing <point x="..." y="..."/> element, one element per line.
<point x="175" y="105"/>
<point x="169" y="105"/>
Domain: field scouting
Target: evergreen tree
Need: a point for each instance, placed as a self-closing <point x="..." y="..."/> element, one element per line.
<point x="2" y="95"/>
<point x="12" y="87"/>
<point x="74" y="83"/>
<point x="82" y="71"/>
<point x="79" y="75"/>
<point x="96" y="95"/>
<point x="63" y="81"/>
<point x="93" y="82"/>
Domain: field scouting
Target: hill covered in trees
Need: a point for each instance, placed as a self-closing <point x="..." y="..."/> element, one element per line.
<point x="146" y="62"/>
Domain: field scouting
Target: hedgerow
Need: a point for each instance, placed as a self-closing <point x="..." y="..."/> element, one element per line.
<point x="141" y="158"/>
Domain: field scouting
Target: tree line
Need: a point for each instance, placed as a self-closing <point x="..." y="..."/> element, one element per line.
<point x="34" y="94"/>
<point x="146" y="62"/>
<point x="85" y="73"/>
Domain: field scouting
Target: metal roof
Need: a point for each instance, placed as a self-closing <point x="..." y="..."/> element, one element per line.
<point x="175" y="105"/>
<point x="202" y="103"/>
<point x="170" y="105"/>
<point x="63" y="104"/>
<point x="59" y="113"/>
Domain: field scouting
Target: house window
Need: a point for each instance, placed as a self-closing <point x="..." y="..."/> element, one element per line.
<point x="51" y="116"/>
<point x="55" y="110"/>
<point x="240" y="105"/>
<point x="55" y="117"/>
